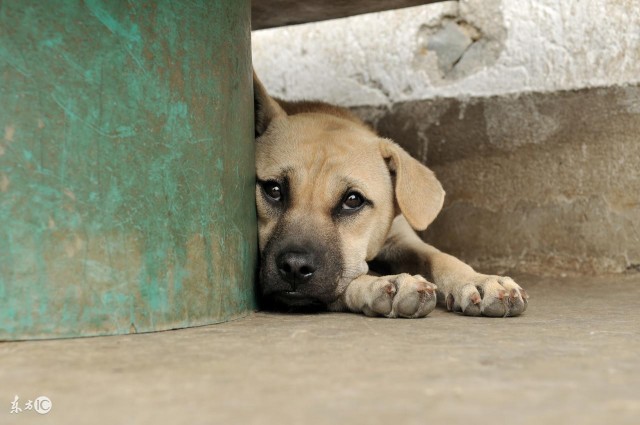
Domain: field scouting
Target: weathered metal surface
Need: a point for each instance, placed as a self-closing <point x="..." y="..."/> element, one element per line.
<point x="277" y="13"/>
<point x="126" y="166"/>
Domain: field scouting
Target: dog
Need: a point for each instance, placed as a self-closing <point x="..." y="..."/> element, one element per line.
<point x="333" y="200"/>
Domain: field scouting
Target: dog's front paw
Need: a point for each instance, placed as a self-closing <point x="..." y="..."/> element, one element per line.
<point x="401" y="295"/>
<point x="484" y="295"/>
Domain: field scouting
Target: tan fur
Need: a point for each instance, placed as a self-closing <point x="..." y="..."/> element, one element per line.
<point x="323" y="151"/>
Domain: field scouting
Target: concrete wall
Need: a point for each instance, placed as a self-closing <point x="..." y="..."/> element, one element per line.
<point x="528" y="111"/>
<point x="498" y="47"/>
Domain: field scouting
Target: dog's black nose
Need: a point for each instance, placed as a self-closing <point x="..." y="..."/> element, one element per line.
<point x="295" y="267"/>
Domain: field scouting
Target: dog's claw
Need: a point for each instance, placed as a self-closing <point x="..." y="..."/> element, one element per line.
<point x="426" y="288"/>
<point x="513" y="296"/>
<point x="450" y="302"/>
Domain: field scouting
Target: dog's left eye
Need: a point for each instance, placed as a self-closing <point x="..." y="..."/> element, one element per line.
<point x="352" y="201"/>
<point x="272" y="190"/>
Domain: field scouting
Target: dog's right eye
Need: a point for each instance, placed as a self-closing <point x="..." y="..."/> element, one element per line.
<point x="272" y="190"/>
<point x="352" y="202"/>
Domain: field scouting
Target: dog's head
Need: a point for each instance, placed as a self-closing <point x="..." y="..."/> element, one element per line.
<point x="327" y="191"/>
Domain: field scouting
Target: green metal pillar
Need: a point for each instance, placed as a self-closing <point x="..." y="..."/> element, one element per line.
<point x="126" y="166"/>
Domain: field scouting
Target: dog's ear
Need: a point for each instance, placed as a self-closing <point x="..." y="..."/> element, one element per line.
<point x="266" y="109"/>
<point x="419" y="194"/>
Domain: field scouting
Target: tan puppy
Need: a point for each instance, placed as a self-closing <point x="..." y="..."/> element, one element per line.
<point x="334" y="198"/>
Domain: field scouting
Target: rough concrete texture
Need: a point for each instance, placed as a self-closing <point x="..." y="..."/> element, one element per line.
<point x="394" y="56"/>
<point x="572" y="358"/>
<point x="535" y="182"/>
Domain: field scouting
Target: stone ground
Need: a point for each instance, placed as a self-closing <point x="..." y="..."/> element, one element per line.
<point x="572" y="358"/>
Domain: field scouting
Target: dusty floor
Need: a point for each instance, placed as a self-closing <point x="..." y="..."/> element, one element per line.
<point x="573" y="357"/>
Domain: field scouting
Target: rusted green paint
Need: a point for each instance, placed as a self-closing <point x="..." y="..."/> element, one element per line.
<point x="126" y="166"/>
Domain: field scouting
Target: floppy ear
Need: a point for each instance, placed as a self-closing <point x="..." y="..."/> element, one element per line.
<point x="265" y="108"/>
<point x="419" y="195"/>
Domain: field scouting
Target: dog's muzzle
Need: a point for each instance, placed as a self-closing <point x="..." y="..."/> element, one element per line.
<point x="298" y="275"/>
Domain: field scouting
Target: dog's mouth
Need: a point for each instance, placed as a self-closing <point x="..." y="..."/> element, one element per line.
<point x="293" y="301"/>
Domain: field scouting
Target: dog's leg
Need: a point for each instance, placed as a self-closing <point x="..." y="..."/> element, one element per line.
<point x="399" y="295"/>
<point x="460" y="287"/>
